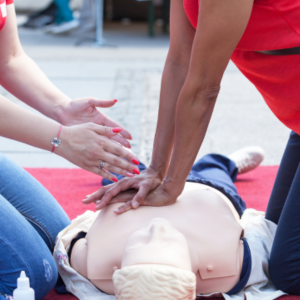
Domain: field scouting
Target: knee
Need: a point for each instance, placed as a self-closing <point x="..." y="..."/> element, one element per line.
<point x="43" y="276"/>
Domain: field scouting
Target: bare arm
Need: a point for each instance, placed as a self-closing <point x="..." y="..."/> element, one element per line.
<point x="23" y="78"/>
<point x="174" y="75"/>
<point x="221" y="25"/>
<point x="20" y="75"/>
<point x="85" y="145"/>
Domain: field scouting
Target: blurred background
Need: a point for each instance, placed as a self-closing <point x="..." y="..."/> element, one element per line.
<point x="60" y="36"/>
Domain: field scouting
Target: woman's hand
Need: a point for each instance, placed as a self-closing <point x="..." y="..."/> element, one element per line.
<point x="147" y="181"/>
<point x="160" y="196"/>
<point x="85" y="110"/>
<point x="88" y="145"/>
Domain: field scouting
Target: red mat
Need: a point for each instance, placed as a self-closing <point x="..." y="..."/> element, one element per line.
<point x="70" y="186"/>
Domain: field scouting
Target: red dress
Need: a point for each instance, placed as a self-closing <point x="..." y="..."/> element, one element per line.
<point x="3" y="12"/>
<point x="274" y="24"/>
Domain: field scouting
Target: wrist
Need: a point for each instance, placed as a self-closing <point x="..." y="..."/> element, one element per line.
<point x="158" y="172"/>
<point x="64" y="138"/>
<point x="173" y="187"/>
<point x="61" y="111"/>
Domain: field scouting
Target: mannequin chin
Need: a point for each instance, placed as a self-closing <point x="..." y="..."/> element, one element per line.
<point x="156" y="261"/>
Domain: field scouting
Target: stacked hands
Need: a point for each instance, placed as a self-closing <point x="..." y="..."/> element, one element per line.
<point x="147" y="189"/>
<point x="96" y="143"/>
<point x="90" y="140"/>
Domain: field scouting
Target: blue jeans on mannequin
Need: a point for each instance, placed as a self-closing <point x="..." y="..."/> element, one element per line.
<point x="30" y="219"/>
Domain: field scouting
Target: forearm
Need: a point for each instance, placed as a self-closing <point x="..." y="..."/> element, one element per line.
<point x="24" y="79"/>
<point x="193" y="113"/>
<point x="173" y="79"/>
<point x="21" y="125"/>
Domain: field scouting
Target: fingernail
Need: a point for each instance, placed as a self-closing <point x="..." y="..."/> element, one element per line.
<point x="135" y="204"/>
<point x="129" y="146"/>
<point x="115" y="100"/>
<point x="135" y="161"/>
<point x="116" y="210"/>
<point x="115" y="179"/>
<point x="98" y="201"/>
<point x="116" y="130"/>
<point x="136" y="171"/>
<point x="129" y="174"/>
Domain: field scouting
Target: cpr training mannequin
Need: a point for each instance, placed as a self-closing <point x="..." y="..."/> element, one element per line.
<point x="194" y="246"/>
<point x="166" y="236"/>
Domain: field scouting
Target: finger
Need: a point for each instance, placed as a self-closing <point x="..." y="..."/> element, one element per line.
<point x="104" y="174"/>
<point x="114" y="191"/>
<point x="116" y="150"/>
<point x="104" y="130"/>
<point x="111" y="168"/>
<point x="102" y="103"/>
<point x="124" y="196"/>
<point x="116" y="160"/>
<point x="120" y="139"/>
<point x="124" y="132"/>
<point x="123" y="208"/>
<point x="97" y="195"/>
<point x="140" y="197"/>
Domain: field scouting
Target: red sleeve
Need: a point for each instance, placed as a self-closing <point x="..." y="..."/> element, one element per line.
<point x="9" y="2"/>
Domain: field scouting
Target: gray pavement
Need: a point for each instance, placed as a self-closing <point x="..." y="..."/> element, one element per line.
<point x="130" y="71"/>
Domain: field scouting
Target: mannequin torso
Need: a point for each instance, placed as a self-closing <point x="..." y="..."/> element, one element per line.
<point x="202" y="214"/>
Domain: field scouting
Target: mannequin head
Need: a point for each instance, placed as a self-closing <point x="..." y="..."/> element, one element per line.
<point x="156" y="264"/>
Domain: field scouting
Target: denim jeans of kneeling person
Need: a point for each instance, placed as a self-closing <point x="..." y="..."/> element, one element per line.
<point x="30" y="219"/>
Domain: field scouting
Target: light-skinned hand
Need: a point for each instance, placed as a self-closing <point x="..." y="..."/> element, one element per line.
<point x="84" y="110"/>
<point x="87" y="145"/>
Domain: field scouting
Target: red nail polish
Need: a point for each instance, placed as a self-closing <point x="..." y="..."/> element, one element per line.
<point x="129" y="147"/>
<point x="136" y="171"/>
<point x="115" y="179"/>
<point x="135" y="161"/>
<point x="115" y="100"/>
<point x="116" y="130"/>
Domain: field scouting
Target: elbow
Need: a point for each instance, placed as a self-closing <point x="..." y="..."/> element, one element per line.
<point x="7" y="60"/>
<point x="203" y="93"/>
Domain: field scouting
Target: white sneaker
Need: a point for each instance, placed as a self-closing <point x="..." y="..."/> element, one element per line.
<point x="247" y="159"/>
<point x="64" y="27"/>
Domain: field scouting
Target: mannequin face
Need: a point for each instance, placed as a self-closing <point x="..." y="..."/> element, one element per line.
<point x="157" y="243"/>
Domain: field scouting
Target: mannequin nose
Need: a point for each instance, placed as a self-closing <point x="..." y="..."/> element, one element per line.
<point x="157" y="230"/>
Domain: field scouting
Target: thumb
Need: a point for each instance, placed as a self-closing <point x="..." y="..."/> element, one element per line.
<point x="140" y="198"/>
<point x="102" y="103"/>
